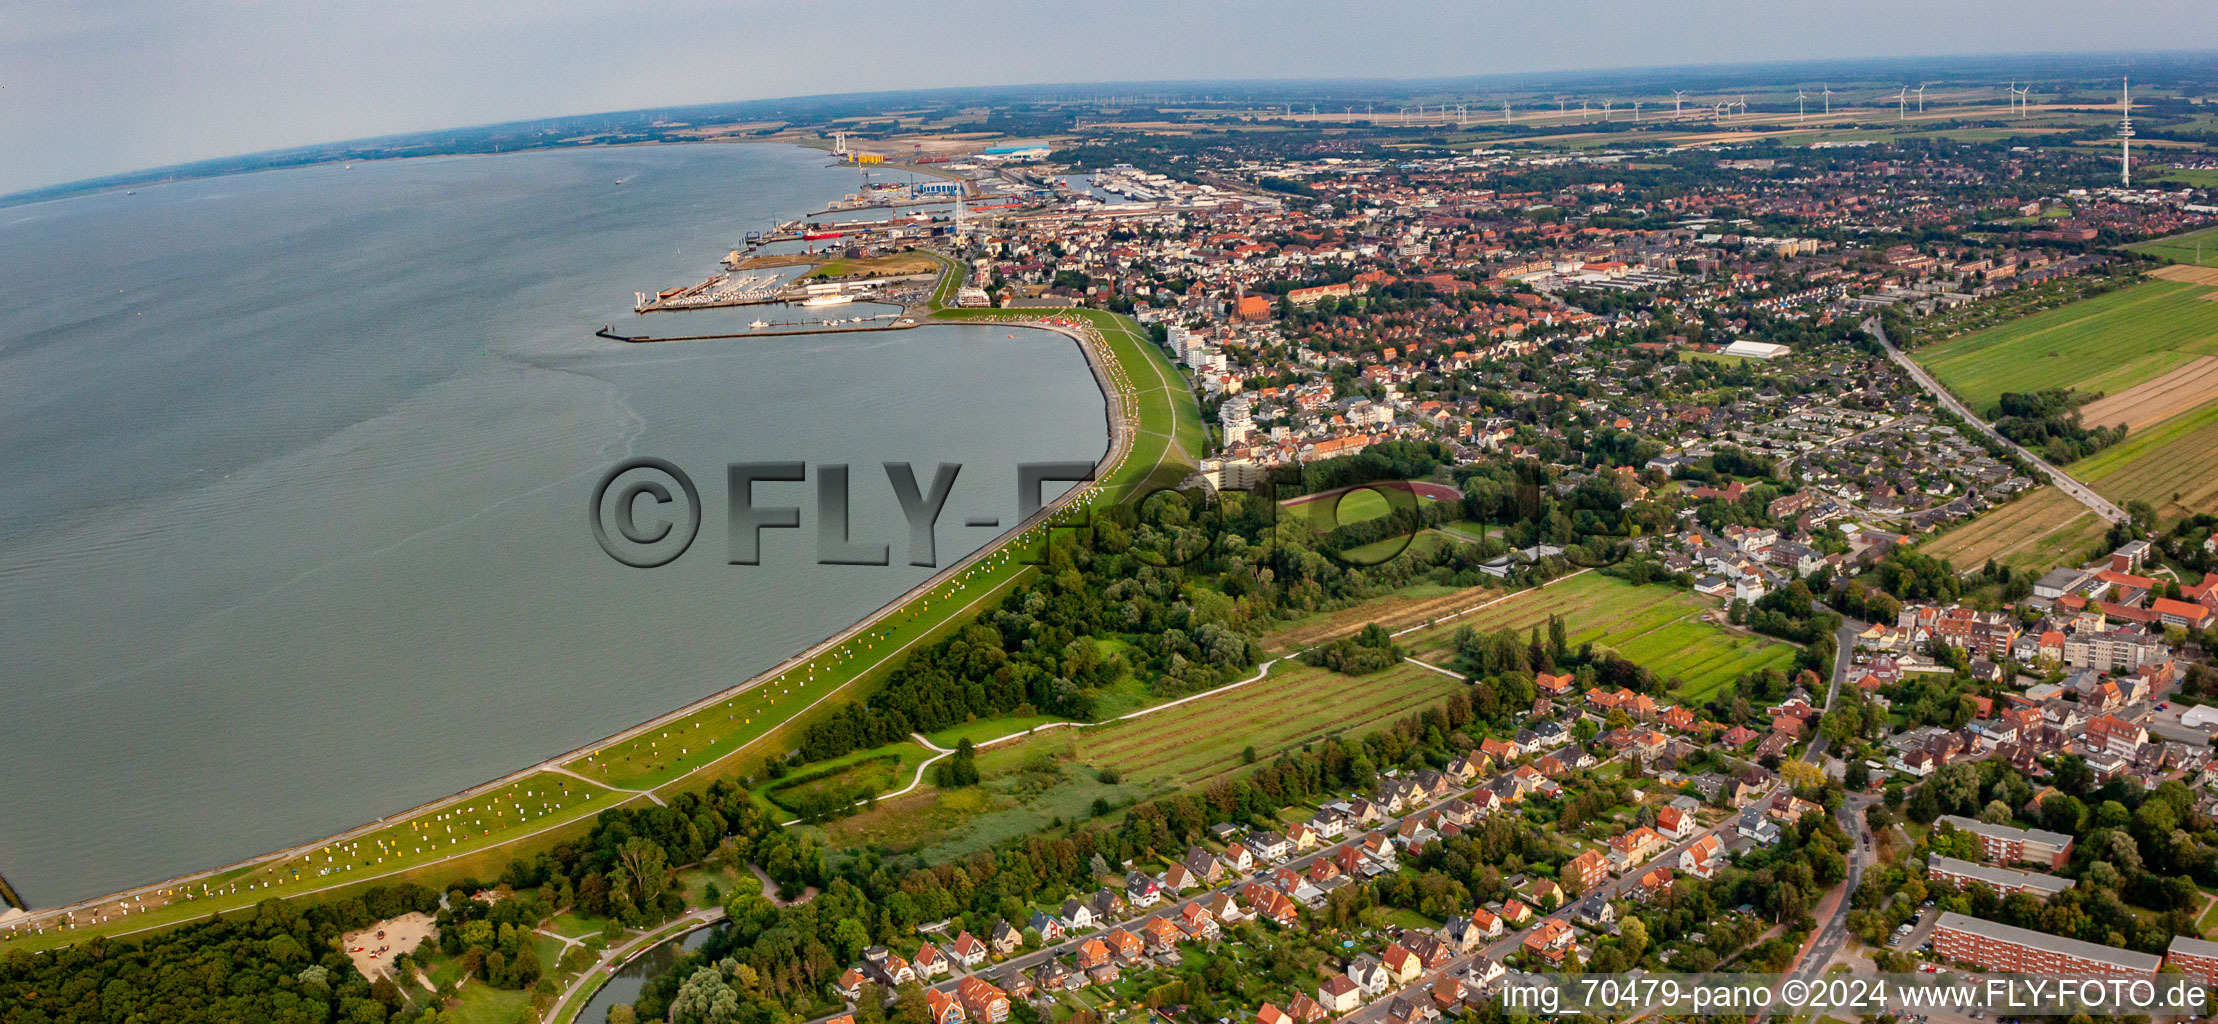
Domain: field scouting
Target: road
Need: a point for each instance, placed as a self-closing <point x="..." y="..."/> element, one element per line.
<point x="1371" y="1012"/>
<point x="1832" y="931"/>
<point x="1832" y="915"/>
<point x="622" y="953"/>
<point x="2080" y="492"/>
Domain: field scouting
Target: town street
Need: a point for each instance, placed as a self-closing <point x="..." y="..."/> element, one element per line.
<point x="1375" y="1010"/>
<point x="2080" y="492"/>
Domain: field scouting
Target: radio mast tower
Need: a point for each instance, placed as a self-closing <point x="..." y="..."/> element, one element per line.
<point x="2125" y="132"/>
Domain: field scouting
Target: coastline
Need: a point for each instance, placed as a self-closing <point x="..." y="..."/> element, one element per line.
<point x="1122" y="429"/>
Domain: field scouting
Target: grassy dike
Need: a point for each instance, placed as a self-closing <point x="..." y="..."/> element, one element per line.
<point x="729" y="734"/>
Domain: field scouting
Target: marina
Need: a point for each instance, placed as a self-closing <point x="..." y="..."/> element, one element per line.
<point x="763" y="328"/>
<point x="720" y="290"/>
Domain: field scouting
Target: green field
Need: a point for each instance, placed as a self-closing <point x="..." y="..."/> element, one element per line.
<point x="2105" y="344"/>
<point x="2172" y="465"/>
<point x="864" y="772"/>
<point x="2183" y="248"/>
<point x="1349" y="507"/>
<point x="1030" y="784"/>
<point x="1194" y="743"/>
<point x="2037" y="532"/>
<point x="1656" y="626"/>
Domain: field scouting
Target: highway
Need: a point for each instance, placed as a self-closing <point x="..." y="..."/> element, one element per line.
<point x="2080" y="492"/>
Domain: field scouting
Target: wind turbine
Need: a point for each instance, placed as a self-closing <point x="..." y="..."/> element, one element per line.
<point x="1828" y="90"/>
<point x="2024" y="96"/>
<point x="1606" y="105"/>
<point x="1798" y="98"/>
<point x="1636" y="111"/>
<point x="2012" y="89"/>
<point x="1676" y="96"/>
<point x="1902" y="104"/>
<point x="1582" y="111"/>
<point x="1921" y="96"/>
<point x="1505" y="112"/>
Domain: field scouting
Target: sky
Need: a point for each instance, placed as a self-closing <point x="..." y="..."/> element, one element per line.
<point x="92" y="87"/>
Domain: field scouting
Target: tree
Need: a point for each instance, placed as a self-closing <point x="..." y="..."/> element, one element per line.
<point x="645" y="868"/>
<point x="1801" y="774"/>
<point x="1633" y="936"/>
<point x="961" y="769"/>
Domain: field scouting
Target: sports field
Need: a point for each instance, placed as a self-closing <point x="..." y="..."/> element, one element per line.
<point x="1656" y="626"/>
<point x="2106" y="344"/>
<point x="1355" y="505"/>
<point x="2038" y="532"/>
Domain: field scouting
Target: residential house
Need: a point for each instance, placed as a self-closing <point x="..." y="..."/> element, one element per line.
<point x="1368" y="974"/>
<point x="1550" y="940"/>
<point x="1339" y="994"/>
<point x="984" y="1001"/>
<point x="1402" y="966"/>
<point x="1586" y="871"/>
<point x="943" y="1007"/>
<point x="1703" y="857"/>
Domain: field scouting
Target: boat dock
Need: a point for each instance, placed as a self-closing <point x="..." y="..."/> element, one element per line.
<point x="8" y="896"/>
<point x="780" y="329"/>
<point x="718" y="291"/>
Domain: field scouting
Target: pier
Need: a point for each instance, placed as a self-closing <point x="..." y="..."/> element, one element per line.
<point x="900" y="322"/>
<point x="9" y="897"/>
<point x="718" y="291"/>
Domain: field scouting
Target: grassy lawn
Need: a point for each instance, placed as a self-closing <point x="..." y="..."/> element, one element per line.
<point x="1656" y="626"/>
<point x="2173" y="465"/>
<point x="854" y="775"/>
<point x="1380" y="552"/>
<point x="1466" y="530"/>
<point x="1410" y="919"/>
<point x="1348" y="507"/>
<point x="482" y="1004"/>
<point x="2105" y="344"/>
<point x="890" y="265"/>
<point x="989" y="728"/>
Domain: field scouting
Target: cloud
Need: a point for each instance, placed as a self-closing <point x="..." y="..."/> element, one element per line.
<point x="88" y="89"/>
